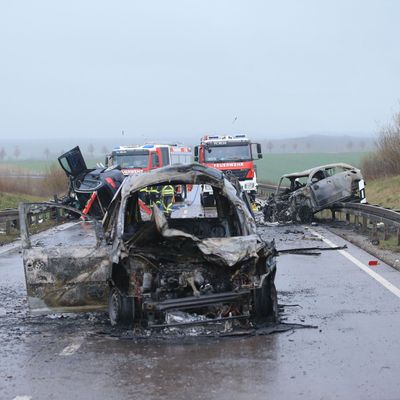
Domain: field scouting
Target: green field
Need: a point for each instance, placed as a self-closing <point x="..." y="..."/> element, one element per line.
<point x="39" y="166"/>
<point x="273" y="166"/>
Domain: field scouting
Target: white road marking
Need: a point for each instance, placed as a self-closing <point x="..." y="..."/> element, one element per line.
<point x="384" y="282"/>
<point x="71" y="349"/>
<point x="22" y="398"/>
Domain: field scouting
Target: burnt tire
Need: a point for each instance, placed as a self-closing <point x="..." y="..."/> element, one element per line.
<point x="305" y="214"/>
<point x="115" y="307"/>
<point x="266" y="302"/>
<point x="121" y="309"/>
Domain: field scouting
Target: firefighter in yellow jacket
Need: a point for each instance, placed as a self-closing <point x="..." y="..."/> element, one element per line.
<point x="154" y="195"/>
<point x="167" y="199"/>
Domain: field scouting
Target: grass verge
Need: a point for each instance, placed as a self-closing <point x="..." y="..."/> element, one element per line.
<point x="11" y="200"/>
<point x="384" y="192"/>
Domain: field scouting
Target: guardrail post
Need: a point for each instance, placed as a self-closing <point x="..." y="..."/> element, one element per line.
<point x="347" y="218"/>
<point x="8" y="227"/>
<point x="364" y="223"/>
<point x="386" y="234"/>
<point x="57" y="210"/>
<point x="374" y="231"/>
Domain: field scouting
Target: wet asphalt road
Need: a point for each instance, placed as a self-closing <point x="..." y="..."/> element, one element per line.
<point x="353" y="353"/>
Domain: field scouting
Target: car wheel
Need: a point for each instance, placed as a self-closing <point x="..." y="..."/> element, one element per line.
<point x="115" y="306"/>
<point x="305" y="214"/>
<point x="266" y="301"/>
<point x="121" y="309"/>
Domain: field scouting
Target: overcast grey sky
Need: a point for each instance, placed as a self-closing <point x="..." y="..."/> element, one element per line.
<point x="184" y="68"/>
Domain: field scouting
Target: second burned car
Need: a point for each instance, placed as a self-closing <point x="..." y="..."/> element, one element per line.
<point x="300" y="195"/>
<point x="210" y="262"/>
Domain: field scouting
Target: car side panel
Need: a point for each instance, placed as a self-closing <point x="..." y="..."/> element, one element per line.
<point x="67" y="278"/>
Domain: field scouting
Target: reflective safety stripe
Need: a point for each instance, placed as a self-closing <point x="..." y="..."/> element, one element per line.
<point x="167" y="207"/>
<point x="153" y="189"/>
<point x="168" y="190"/>
<point x="361" y="188"/>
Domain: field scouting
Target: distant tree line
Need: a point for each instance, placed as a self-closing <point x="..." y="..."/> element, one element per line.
<point x="16" y="153"/>
<point x="307" y="147"/>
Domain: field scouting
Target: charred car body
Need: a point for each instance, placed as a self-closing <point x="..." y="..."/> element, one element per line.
<point x="214" y="265"/>
<point x="91" y="188"/>
<point x="302" y="194"/>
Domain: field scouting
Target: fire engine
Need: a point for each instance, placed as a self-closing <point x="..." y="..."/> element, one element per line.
<point x="231" y="155"/>
<point x="139" y="159"/>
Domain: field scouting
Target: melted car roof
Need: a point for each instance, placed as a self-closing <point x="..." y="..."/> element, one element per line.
<point x="310" y="171"/>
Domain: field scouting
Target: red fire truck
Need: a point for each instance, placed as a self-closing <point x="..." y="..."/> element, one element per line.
<point x="232" y="155"/>
<point x="139" y="159"/>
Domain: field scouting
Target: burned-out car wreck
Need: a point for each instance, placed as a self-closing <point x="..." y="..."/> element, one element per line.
<point x="144" y="266"/>
<point x="300" y="195"/>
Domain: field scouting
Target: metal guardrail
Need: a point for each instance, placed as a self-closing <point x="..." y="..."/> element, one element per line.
<point x="10" y="217"/>
<point x="373" y="213"/>
<point x="8" y="214"/>
<point x="265" y="189"/>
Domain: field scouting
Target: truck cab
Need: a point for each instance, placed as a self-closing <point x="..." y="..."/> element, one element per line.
<point x="234" y="156"/>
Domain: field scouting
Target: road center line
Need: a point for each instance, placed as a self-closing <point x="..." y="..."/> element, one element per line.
<point x="71" y="349"/>
<point x="384" y="282"/>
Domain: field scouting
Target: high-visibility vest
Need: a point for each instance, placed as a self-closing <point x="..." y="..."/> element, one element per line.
<point x="154" y="189"/>
<point x="167" y="190"/>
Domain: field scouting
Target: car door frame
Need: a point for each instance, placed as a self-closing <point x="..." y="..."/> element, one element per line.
<point x="74" y="158"/>
<point x="52" y="288"/>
